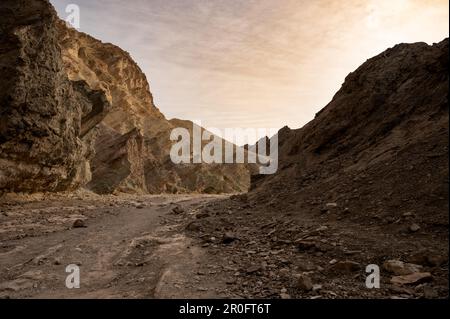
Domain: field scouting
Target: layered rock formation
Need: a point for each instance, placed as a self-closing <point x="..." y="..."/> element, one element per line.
<point x="65" y="83"/>
<point x="380" y="146"/>
<point x="132" y="151"/>
<point x="46" y="120"/>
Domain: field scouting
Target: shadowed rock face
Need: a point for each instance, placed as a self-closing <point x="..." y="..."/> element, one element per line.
<point x="46" y="120"/>
<point x="61" y="85"/>
<point x="382" y="139"/>
<point x="119" y="162"/>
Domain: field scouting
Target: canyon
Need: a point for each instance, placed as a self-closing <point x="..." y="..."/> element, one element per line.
<point x="86" y="179"/>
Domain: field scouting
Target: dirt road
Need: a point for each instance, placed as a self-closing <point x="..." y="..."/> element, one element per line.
<point x="204" y="246"/>
<point x="129" y="248"/>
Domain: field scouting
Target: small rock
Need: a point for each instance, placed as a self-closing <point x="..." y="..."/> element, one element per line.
<point x="305" y="283"/>
<point x="284" y="272"/>
<point x="414" y="228"/>
<point x="317" y="287"/>
<point x="79" y="223"/>
<point x="243" y="197"/>
<point x="305" y="245"/>
<point x="178" y="210"/>
<point x="430" y="293"/>
<point x="400" y="268"/>
<point x="202" y="215"/>
<point x="193" y="226"/>
<point x="321" y="229"/>
<point x="231" y="281"/>
<point x="408" y="214"/>
<point x="415" y="278"/>
<point x="400" y="290"/>
<point x="57" y="261"/>
<point x="346" y="266"/>
<point x="253" y="269"/>
<point x="306" y="266"/>
<point x="331" y="205"/>
<point x="285" y="296"/>
<point x="333" y="261"/>
<point x="332" y="293"/>
<point x="352" y="252"/>
<point x="228" y="238"/>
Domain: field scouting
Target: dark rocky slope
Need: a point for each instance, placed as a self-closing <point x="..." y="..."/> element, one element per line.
<point x="365" y="182"/>
<point x="380" y="146"/>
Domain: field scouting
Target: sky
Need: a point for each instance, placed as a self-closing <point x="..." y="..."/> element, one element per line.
<point x="255" y="63"/>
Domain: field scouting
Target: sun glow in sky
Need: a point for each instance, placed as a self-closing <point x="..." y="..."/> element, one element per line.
<point x="255" y="63"/>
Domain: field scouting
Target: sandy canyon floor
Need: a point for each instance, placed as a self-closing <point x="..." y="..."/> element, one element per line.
<point x="198" y="246"/>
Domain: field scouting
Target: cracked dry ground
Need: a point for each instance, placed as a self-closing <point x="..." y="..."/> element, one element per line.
<point x="201" y="246"/>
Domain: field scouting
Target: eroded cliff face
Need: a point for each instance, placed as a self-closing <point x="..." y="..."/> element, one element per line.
<point x="46" y="120"/>
<point x="78" y="112"/>
<point x="133" y="145"/>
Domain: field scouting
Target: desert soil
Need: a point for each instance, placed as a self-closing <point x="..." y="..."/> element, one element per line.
<point x="197" y="246"/>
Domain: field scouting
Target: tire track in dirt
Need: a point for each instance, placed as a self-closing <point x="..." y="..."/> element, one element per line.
<point x="137" y="252"/>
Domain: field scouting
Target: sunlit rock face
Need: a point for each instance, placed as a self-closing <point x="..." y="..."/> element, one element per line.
<point x="46" y="119"/>
<point x="79" y="112"/>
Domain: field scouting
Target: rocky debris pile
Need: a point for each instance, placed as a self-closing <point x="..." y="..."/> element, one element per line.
<point x="294" y="255"/>
<point x="366" y="182"/>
